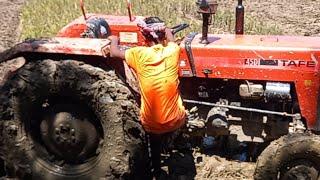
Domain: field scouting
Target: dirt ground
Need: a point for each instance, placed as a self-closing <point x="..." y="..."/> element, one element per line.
<point x="9" y="33"/>
<point x="293" y="17"/>
<point x="9" y="20"/>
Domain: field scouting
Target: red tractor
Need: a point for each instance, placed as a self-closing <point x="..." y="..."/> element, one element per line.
<point x="71" y="113"/>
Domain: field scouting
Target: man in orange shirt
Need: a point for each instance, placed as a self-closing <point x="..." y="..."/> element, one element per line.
<point x="162" y="111"/>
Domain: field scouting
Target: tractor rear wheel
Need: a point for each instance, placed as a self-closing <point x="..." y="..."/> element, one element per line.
<point x="292" y="157"/>
<point x="2" y="171"/>
<point x="70" y="120"/>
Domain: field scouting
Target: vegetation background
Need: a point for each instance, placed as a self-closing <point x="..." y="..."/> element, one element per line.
<point x="44" y="18"/>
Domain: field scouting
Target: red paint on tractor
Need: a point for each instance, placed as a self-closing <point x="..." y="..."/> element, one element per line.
<point x="294" y="59"/>
<point x="117" y="24"/>
<point x="246" y="57"/>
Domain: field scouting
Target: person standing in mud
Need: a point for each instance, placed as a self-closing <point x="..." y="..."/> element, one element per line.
<point x="162" y="112"/>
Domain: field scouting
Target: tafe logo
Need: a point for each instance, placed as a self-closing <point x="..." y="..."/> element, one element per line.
<point x="279" y="62"/>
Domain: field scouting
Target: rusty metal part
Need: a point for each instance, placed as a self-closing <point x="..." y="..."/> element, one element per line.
<point x="285" y="114"/>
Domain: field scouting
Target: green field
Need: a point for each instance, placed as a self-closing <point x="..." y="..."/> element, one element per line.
<point x="44" y="18"/>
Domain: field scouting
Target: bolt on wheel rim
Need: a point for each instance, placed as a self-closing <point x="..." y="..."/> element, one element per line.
<point x="70" y="136"/>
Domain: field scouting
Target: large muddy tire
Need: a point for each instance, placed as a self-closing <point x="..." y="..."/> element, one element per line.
<point x="2" y="171"/>
<point x="69" y="120"/>
<point x="292" y="157"/>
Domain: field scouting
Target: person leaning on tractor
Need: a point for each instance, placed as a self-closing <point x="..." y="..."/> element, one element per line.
<point x="162" y="112"/>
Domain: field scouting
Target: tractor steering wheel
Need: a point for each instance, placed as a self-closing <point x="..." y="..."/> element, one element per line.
<point x="179" y="28"/>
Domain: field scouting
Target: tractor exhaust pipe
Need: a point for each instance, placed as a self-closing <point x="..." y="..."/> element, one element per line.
<point x="207" y="8"/>
<point x="239" y="18"/>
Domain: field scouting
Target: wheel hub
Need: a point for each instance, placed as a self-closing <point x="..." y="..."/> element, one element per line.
<point x="301" y="172"/>
<point x="69" y="136"/>
<point x="65" y="135"/>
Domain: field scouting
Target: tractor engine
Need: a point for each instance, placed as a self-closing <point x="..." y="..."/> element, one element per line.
<point x="249" y="110"/>
<point x="247" y="86"/>
<point x="271" y="91"/>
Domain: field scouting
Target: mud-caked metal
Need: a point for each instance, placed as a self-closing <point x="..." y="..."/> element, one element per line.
<point x="259" y="89"/>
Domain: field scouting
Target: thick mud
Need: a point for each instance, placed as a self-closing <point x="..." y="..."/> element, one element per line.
<point x="114" y="148"/>
<point x="201" y="166"/>
<point x="293" y="17"/>
<point x="284" y="152"/>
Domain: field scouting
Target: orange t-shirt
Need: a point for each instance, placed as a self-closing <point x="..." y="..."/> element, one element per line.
<point x="162" y="110"/>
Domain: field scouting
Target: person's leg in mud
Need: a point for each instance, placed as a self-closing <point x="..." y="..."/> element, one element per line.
<point x="181" y="165"/>
<point x="156" y="147"/>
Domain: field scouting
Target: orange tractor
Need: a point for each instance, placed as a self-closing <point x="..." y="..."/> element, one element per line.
<point x="71" y="113"/>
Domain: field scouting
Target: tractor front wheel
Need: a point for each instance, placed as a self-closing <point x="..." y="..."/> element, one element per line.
<point x="70" y="120"/>
<point x="292" y="157"/>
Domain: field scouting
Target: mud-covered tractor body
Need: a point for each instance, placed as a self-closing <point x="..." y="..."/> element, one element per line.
<point x="271" y="73"/>
<point x="290" y="61"/>
<point x="255" y="87"/>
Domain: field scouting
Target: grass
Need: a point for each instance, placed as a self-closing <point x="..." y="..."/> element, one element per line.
<point x="44" y="18"/>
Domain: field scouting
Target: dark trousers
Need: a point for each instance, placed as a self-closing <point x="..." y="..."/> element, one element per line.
<point x="161" y="143"/>
<point x="155" y="148"/>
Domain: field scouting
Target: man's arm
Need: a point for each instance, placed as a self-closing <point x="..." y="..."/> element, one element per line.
<point x="169" y="35"/>
<point x="115" y="51"/>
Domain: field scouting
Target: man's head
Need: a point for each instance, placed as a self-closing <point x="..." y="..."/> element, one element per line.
<point x="153" y="29"/>
<point x="158" y="39"/>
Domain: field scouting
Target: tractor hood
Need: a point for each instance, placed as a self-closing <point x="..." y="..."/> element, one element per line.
<point x="293" y="60"/>
<point x="248" y="56"/>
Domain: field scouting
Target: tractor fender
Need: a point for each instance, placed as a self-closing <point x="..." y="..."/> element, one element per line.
<point x="70" y="46"/>
<point x="57" y="45"/>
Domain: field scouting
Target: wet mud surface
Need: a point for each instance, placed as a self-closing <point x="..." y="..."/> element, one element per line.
<point x="10" y="29"/>
<point x="293" y="17"/>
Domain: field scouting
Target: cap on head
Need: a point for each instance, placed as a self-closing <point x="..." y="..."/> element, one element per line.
<point x="156" y="24"/>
